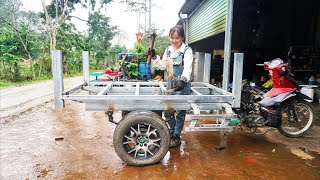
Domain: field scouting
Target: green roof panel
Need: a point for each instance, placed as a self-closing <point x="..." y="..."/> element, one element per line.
<point x="208" y="20"/>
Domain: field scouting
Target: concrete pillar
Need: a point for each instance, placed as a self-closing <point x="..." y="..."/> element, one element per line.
<point x="85" y="67"/>
<point x="207" y="67"/>
<point x="57" y="72"/>
<point x="198" y="65"/>
<point x="237" y="79"/>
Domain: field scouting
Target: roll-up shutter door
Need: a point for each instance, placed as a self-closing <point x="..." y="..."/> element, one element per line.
<point x="208" y="20"/>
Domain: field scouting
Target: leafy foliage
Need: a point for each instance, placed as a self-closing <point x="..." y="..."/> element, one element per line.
<point x="130" y="67"/>
<point x="113" y="54"/>
<point x="34" y="42"/>
<point x="135" y="5"/>
<point x="100" y="35"/>
<point x="140" y="51"/>
<point x="161" y="42"/>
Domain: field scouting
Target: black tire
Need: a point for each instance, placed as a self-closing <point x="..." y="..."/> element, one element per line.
<point x="287" y="120"/>
<point x="124" y="113"/>
<point x="141" y="138"/>
<point x="158" y="112"/>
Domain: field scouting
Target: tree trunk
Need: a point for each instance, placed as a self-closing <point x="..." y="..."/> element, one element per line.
<point x="31" y="65"/>
<point x="51" y="42"/>
<point x="51" y="27"/>
<point x="54" y="39"/>
<point x="29" y="55"/>
<point x="105" y="63"/>
<point x="4" y="66"/>
<point x="93" y="59"/>
<point x="64" y="63"/>
<point x="40" y="67"/>
<point x="13" y="25"/>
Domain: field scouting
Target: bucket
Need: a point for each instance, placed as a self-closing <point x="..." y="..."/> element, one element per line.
<point x="308" y="91"/>
<point x="144" y="71"/>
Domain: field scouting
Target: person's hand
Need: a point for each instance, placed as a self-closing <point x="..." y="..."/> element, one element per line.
<point x="151" y="52"/>
<point x="179" y="86"/>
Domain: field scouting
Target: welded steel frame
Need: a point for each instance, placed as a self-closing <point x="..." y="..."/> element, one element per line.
<point x="148" y="96"/>
<point x="132" y="96"/>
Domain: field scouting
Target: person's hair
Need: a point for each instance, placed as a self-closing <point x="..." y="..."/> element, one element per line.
<point x="178" y="29"/>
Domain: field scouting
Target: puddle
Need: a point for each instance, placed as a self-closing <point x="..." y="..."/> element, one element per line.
<point x="300" y="153"/>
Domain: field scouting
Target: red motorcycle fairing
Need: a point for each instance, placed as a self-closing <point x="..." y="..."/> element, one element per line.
<point x="281" y="83"/>
<point x="277" y="91"/>
<point x="276" y="100"/>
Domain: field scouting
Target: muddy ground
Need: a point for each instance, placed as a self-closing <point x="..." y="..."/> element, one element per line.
<point x="44" y="143"/>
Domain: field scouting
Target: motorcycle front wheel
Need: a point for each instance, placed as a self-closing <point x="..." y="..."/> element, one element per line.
<point x="297" y="119"/>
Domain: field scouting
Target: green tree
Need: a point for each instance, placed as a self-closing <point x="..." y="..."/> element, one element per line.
<point x="10" y="51"/>
<point x="135" y="5"/>
<point x="71" y="43"/>
<point x="22" y="29"/>
<point x="58" y="11"/>
<point x="140" y="51"/>
<point x="100" y="35"/>
<point x="113" y="54"/>
<point x="161" y="43"/>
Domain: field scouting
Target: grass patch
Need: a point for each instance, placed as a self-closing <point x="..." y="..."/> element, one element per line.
<point x="6" y="84"/>
<point x="21" y="83"/>
<point x="37" y="79"/>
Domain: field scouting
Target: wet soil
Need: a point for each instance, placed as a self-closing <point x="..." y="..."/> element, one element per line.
<point x="44" y="143"/>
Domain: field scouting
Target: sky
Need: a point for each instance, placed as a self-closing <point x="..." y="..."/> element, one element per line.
<point x="164" y="16"/>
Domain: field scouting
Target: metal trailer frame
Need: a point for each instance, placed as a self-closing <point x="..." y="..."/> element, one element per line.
<point x="132" y="96"/>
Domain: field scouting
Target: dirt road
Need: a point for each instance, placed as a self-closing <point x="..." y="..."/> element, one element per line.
<point x="14" y="100"/>
<point x="44" y="143"/>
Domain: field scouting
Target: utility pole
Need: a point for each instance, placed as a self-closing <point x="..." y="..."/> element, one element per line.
<point x="145" y="16"/>
<point x="150" y="18"/>
<point x="227" y="45"/>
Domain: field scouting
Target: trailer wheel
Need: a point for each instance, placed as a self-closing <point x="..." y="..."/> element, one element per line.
<point x="141" y="138"/>
<point x="124" y="113"/>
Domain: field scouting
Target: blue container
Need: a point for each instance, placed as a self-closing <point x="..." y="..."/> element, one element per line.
<point x="144" y="71"/>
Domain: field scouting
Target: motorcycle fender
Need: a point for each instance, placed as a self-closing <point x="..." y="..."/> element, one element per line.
<point x="297" y="96"/>
<point x="302" y="96"/>
<point x="288" y="97"/>
<point x="276" y="100"/>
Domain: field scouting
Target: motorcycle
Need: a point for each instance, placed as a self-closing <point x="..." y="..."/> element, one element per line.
<point x="283" y="107"/>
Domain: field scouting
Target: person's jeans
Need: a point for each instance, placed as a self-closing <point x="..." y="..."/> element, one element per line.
<point x="176" y="122"/>
<point x="176" y="119"/>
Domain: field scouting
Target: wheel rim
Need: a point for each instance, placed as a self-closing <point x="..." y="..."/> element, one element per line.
<point x="300" y="124"/>
<point x="142" y="141"/>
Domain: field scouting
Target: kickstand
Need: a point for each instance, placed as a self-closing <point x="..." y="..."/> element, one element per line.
<point x="223" y="141"/>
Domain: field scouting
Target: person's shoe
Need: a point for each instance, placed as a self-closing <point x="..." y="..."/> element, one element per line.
<point x="174" y="142"/>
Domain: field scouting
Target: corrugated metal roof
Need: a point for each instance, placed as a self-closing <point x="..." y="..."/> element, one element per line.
<point x="189" y="6"/>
